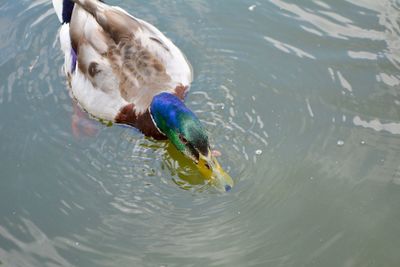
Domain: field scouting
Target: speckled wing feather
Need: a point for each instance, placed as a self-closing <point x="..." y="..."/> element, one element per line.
<point x="124" y="57"/>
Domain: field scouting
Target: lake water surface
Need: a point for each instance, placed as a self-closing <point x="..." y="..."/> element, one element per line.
<point x="301" y="97"/>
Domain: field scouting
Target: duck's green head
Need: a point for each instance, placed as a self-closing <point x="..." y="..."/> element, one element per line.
<point x="186" y="132"/>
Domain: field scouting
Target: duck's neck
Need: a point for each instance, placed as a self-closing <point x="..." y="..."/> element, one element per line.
<point x="143" y="122"/>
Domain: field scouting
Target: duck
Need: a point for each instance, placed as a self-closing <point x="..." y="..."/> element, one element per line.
<point x="122" y="69"/>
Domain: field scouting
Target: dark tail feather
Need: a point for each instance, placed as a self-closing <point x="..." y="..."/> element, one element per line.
<point x="64" y="9"/>
<point x="68" y="6"/>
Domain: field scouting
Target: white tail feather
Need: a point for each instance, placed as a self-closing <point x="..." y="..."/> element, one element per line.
<point x="58" y="7"/>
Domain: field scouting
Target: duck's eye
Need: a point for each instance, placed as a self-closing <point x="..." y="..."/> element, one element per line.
<point x="183" y="139"/>
<point x="207" y="166"/>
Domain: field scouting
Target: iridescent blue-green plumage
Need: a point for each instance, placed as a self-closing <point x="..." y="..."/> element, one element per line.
<point x="179" y="124"/>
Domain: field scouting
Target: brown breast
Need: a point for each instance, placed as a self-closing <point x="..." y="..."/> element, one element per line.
<point x="144" y="122"/>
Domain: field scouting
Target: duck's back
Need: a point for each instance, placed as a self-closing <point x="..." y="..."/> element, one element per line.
<point x="114" y="60"/>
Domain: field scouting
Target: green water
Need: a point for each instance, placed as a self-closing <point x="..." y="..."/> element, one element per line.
<point x="301" y="97"/>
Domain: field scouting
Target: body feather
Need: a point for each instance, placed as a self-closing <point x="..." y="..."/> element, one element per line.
<point x="120" y="60"/>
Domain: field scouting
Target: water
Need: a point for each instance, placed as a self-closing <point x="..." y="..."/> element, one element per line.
<point x="301" y="97"/>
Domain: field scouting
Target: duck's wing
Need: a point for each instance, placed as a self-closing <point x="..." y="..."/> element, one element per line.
<point x="124" y="56"/>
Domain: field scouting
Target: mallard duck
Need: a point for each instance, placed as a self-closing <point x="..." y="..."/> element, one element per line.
<point x="123" y="70"/>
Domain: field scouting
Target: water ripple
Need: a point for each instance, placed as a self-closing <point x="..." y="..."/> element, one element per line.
<point x="288" y="48"/>
<point x="329" y="26"/>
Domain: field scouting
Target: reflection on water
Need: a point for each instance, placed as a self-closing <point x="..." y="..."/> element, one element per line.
<point x="393" y="128"/>
<point x="301" y="98"/>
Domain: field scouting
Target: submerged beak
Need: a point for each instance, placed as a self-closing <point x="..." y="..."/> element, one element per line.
<point x="212" y="171"/>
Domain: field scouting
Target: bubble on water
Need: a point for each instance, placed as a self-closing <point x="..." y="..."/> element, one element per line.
<point x="340" y="143"/>
<point x="363" y="142"/>
<point x="259" y="152"/>
<point x="251" y="8"/>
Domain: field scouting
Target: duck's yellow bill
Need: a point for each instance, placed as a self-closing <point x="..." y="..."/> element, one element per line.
<point x="212" y="171"/>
